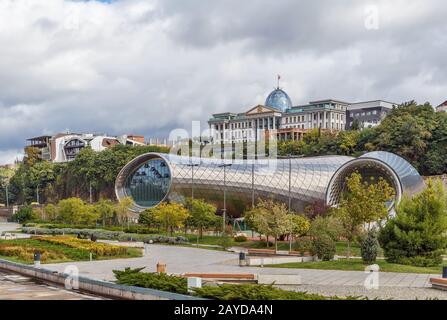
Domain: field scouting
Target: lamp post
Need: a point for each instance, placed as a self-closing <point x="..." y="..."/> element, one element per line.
<point x="90" y="191"/>
<point x="192" y="165"/>
<point x="37" y="195"/>
<point x="290" y="157"/>
<point x="253" y="184"/>
<point x="7" y="195"/>
<point x="224" y="211"/>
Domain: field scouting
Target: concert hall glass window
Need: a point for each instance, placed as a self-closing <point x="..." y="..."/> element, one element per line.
<point x="149" y="184"/>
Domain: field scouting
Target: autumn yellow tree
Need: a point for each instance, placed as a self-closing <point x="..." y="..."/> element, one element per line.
<point x="123" y="209"/>
<point x="170" y="215"/>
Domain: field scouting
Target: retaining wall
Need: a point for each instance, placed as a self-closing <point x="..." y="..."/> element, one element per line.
<point x="95" y="287"/>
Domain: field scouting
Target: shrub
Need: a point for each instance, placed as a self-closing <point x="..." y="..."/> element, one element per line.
<point x="134" y="277"/>
<point x="225" y="241"/>
<point x="106" y="235"/>
<point x="25" y="214"/>
<point x="370" y="247"/>
<point x="240" y="239"/>
<point x="417" y="235"/>
<point x="98" y="249"/>
<point x="303" y="246"/>
<point x="328" y="225"/>
<point x="324" y="247"/>
<point x="254" y="292"/>
<point x="27" y="253"/>
<point x="164" y="282"/>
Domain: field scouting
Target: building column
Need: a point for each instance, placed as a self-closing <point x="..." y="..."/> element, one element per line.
<point x="324" y="120"/>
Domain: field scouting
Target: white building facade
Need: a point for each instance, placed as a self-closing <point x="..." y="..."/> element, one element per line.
<point x="278" y="116"/>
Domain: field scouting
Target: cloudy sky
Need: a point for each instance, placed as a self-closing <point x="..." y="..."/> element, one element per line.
<point x="146" y="67"/>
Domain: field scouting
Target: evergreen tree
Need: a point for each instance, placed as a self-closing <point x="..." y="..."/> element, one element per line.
<point x="417" y="235"/>
<point x="370" y="247"/>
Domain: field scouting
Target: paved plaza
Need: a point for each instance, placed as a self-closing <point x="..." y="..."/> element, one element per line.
<point x="5" y="227"/>
<point x="17" y="287"/>
<point x="190" y="260"/>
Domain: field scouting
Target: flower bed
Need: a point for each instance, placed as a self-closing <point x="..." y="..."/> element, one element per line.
<point x="99" y="249"/>
<point x="27" y="253"/>
<point x="62" y="249"/>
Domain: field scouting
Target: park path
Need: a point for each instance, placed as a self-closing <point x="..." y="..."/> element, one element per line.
<point x="192" y="260"/>
<point x="17" y="287"/>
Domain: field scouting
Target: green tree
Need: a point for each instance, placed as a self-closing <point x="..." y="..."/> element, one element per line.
<point x="147" y="217"/>
<point x="75" y="211"/>
<point x="417" y="235"/>
<point x="370" y="247"/>
<point x="89" y="216"/>
<point x="51" y="212"/>
<point x="347" y="142"/>
<point x="170" y="215"/>
<point x="70" y="210"/>
<point x="5" y="177"/>
<point x="298" y="225"/>
<point x="202" y="214"/>
<point x="363" y="202"/>
<point x="25" y="214"/>
<point x="269" y="218"/>
<point x="105" y="210"/>
<point x="123" y="209"/>
<point x="326" y="225"/>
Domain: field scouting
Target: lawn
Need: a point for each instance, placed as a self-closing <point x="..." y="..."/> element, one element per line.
<point x="62" y="249"/>
<point x="341" y="247"/>
<point x="358" y="265"/>
<point x="206" y="240"/>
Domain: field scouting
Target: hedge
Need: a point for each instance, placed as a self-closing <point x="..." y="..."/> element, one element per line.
<point x="107" y="235"/>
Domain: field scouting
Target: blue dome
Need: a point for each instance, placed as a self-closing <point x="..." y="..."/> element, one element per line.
<point x="279" y="100"/>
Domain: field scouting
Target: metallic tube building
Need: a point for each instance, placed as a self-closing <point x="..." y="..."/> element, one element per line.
<point x="152" y="178"/>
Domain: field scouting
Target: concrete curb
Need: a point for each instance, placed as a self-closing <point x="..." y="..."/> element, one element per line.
<point x="97" y="287"/>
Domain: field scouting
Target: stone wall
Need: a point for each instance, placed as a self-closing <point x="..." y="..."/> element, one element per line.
<point x="96" y="287"/>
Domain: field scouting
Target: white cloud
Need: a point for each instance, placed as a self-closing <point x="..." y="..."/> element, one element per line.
<point x="146" y="66"/>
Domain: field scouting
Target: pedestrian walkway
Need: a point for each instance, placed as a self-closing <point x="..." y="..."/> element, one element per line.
<point x="192" y="260"/>
<point x="17" y="287"/>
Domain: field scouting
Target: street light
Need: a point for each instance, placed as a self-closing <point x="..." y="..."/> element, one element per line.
<point x="192" y="166"/>
<point x="7" y="195"/>
<point x="253" y="184"/>
<point x="290" y="157"/>
<point x="90" y="193"/>
<point x="224" y="166"/>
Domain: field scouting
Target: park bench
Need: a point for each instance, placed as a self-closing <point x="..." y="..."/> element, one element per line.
<point x="222" y="276"/>
<point x="439" y="283"/>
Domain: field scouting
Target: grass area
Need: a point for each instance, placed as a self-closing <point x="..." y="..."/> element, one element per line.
<point x="358" y="265"/>
<point x="341" y="246"/>
<point x="62" y="249"/>
<point x="206" y="240"/>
